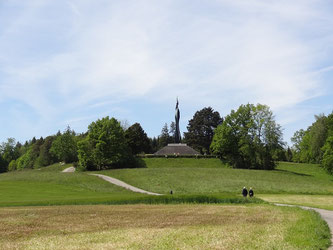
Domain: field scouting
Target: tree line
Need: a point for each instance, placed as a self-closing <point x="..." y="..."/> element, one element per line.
<point x="248" y="137"/>
<point x="315" y="144"/>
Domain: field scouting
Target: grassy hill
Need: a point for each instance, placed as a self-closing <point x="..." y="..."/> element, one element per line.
<point x="48" y="186"/>
<point x="193" y="176"/>
<point x="292" y="183"/>
<point x="199" y="178"/>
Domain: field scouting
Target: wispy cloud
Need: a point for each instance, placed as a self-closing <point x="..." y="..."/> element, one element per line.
<point x="71" y="56"/>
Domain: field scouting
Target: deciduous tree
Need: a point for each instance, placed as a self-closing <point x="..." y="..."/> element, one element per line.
<point x="64" y="147"/>
<point x="104" y="147"/>
<point x="248" y="138"/>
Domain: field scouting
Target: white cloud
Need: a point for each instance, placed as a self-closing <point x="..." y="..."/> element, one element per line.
<point x="220" y="53"/>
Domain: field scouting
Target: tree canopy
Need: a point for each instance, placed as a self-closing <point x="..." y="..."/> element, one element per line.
<point x="201" y="129"/>
<point x="248" y="138"/>
<point x="307" y="145"/>
<point x="137" y="139"/>
<point x="64" y="147"/>
<point x="104" y="147"/>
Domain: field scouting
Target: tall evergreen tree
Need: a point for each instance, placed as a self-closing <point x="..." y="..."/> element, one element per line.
<point x="137" y="139"/>
<point x="201" y="129"/>
<point x="153" y="144"/>
<point x="164" y="137"/>
<point x="172" y="132"/>
<point x="3" y="165"/>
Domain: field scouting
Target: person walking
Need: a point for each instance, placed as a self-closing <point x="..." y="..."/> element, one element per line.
<point x="244" y="192"/>
<point x="251" y="193"/>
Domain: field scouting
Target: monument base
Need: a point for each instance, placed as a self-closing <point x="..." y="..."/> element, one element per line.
<point x="177" y="149"/>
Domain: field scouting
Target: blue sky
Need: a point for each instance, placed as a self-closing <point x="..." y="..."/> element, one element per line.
<point x="70" y="62"/>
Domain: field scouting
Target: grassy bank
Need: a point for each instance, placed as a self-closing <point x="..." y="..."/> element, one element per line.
<point x="49" y="186"/>
<point x="213" y="178"/>
<point x="161" y="227"/>
<point x="206" y="178"/>
<point x="183" y="163"/>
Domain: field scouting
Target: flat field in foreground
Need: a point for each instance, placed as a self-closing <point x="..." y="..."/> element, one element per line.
<point x="161" y="227"/>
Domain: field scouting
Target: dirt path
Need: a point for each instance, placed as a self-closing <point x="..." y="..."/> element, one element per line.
<point x="327" y="215"/>
<point x="69" y="170"/>
<point x="123" y="184"/>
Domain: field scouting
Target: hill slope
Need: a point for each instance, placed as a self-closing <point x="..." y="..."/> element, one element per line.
<point x="211" y="176"/>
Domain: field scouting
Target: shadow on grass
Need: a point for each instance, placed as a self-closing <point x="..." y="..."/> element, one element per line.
<point x="295" y="173"/>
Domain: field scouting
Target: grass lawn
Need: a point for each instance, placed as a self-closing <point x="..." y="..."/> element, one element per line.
<point x="49" y="186"/>
<point x="183" y="163"/>
<point x="162" y="227"/>
<point x="213" y="177"/>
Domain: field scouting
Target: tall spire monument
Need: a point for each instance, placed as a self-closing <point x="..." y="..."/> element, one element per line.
<point x="177" y="148"/>
<point x="177" y="117"/>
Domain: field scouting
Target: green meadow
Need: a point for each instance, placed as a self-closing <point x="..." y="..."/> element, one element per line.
<point x="210" y="176"/>
<point x="205" y="211"/>
<point x="184" y="176"/>
<point x="49" y="186"/>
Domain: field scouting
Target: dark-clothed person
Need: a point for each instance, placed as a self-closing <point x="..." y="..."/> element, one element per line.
<point x="251" y="193"/>
<point x="244" y="192"/>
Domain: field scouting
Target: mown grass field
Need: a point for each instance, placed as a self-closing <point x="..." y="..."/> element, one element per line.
<point x="231" y="224"/>
<point x="49" y="186"/>
<point x="214" y="177"/>
<point x="209" y="177"/>
<point x="161" y="227"/>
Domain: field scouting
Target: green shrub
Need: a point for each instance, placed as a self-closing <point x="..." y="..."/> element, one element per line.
<point x="12" y="165"/>
<point x="26" y="160"/>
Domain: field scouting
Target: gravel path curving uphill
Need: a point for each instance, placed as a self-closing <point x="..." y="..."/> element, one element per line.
<point x="327" y="215"/>
<point x="123" y="184"/>
<point x="69" y="170"/>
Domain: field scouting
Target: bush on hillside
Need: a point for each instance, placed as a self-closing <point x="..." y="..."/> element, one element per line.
<point x="26" y="161"/>
<point x="12" y="165"/>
